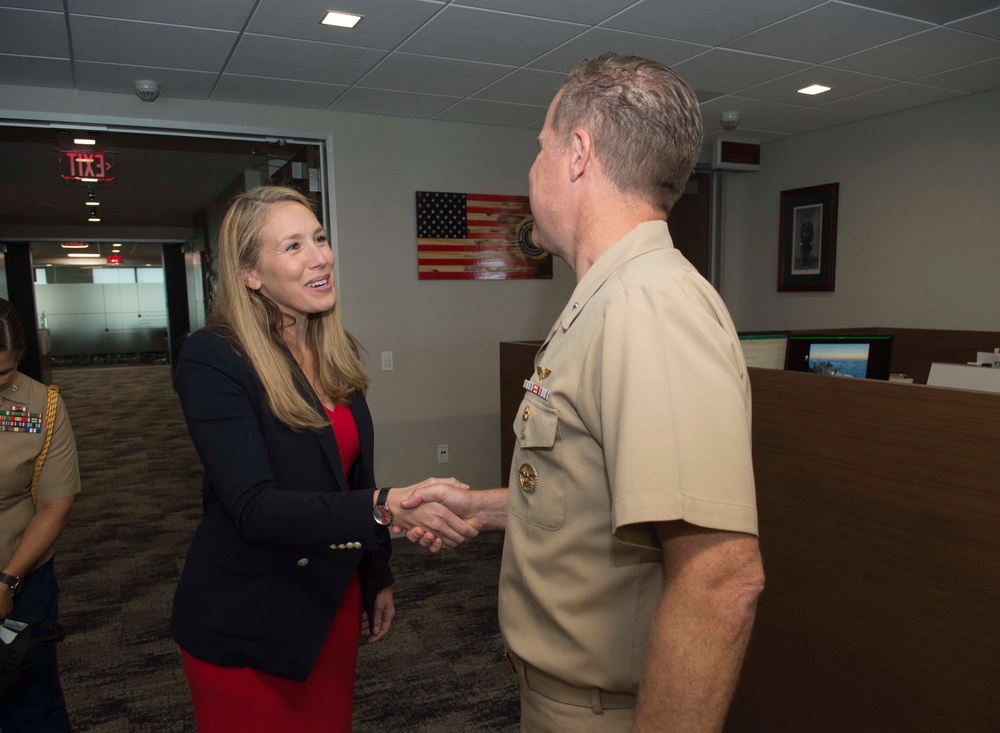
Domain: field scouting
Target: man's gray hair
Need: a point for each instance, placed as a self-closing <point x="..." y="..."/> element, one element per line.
<point x="644" y="121"/>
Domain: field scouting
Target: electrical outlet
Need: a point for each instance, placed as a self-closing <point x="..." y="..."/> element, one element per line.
<point x="443" y="453"/>
<point x="386" y="361"/>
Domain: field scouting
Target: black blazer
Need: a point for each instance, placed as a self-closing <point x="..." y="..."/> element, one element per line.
<point x="264" y="577"/>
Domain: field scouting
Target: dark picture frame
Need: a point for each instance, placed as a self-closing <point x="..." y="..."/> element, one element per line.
<point x="807" y="239"/>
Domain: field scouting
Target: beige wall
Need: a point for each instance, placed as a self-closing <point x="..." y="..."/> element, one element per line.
<point x="444" y="336"/>
<point x="918" y="242"/>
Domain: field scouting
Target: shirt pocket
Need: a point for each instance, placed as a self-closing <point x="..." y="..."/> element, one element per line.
<point x="538" y="483"/>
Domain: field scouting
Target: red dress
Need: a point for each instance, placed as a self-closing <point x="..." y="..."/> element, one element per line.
<point x="246" y="700"/>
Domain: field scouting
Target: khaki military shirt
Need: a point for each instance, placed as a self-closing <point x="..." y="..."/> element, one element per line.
<point x="638" y="411"/>
<point x="60" y="475"/>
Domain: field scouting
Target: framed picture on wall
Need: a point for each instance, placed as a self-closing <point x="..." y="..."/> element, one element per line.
<point x="807" y="240"/>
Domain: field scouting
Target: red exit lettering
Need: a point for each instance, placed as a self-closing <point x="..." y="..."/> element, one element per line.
<point x="76" y="165"/>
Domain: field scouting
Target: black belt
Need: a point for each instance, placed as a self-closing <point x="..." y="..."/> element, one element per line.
<point x="553" y="688"/>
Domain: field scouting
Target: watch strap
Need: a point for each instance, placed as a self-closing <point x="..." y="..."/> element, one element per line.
<point x="12" y="580"/>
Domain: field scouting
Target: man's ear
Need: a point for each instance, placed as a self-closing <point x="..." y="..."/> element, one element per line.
<point x="251" y="280"/>
<point x="582" y="146"/>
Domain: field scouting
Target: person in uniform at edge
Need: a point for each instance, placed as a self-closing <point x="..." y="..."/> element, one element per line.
<point x="29" y="529"/>
<point x="290" y="563"/>
<point x="631" y="567"/>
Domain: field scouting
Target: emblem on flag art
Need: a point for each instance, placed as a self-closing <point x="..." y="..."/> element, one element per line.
<point x="468" y="236"/>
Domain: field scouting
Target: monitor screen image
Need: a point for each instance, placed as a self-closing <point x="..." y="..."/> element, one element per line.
<point x="866" y="356"/>
<point x="764" y="349"/>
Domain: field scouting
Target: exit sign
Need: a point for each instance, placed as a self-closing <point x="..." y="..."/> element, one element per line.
<point x="87" y="166"/>
<point x="115" y="259"/>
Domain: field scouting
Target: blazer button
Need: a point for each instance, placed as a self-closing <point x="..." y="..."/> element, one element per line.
<point x="302" y="562"/>
<point x="357" y="545"/>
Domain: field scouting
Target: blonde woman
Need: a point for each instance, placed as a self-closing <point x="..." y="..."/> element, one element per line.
<point x="291" y="557"/>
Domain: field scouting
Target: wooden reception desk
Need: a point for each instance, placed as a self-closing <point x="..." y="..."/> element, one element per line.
<point x="879" y="510"/>
<point x="879" y="513"/>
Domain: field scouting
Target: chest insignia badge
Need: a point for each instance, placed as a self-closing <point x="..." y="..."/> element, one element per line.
<point x="527" y="476"/>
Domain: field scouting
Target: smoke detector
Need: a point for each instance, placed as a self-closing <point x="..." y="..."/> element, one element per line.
<point x="147" y="90"/>
<point x="730" y="120"/>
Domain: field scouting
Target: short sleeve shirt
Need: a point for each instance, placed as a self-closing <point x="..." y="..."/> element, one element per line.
<point x="638" y="412"/>
<point x="60" y="476"/>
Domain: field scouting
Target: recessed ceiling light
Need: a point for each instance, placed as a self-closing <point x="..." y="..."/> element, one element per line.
<point x="814" y="89"/>
<point x="94" y="218"/>
<point x="83" y="254"/>
<point x="84" y="141"/>
<point x="92" y="203"/>
<point x="341" y="20"/>
<point x="75" y="245"/>
<point x="88" y="180"/>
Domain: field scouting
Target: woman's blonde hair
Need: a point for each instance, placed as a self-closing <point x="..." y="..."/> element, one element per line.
<point x="255" y="324"/>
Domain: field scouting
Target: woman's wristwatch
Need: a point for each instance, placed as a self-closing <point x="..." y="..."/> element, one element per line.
<point x="382" y="514"/>
<point x="11" y="580"/>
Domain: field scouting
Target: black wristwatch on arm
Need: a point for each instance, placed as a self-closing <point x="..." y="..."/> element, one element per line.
<point x="15" y="582"/>
<point x="382" y="514"/>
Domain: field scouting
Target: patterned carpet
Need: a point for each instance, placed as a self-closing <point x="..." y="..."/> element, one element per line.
<point x="441" y="667"/>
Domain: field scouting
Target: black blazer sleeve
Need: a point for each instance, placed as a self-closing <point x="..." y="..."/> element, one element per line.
<point x="282" y="532"/>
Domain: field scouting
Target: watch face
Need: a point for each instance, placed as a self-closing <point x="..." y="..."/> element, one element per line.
<point x="382" y="515"/>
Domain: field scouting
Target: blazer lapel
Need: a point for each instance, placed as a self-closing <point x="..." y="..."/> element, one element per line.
<point x="324" y="436"/>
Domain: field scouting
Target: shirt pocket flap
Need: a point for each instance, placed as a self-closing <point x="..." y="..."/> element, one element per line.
<point x="536" y="425"/>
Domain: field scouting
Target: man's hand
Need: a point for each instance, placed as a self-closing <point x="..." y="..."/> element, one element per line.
<point x="446" y="528"/>
<point x="484" y="509"/>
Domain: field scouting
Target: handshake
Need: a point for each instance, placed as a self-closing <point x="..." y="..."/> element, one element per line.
<point x="443" y="513"/>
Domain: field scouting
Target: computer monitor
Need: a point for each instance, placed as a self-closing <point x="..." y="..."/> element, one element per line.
<point x="865" y="356"/>
<point x="764" y="349"/>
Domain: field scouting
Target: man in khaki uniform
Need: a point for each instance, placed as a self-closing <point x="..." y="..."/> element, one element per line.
<point x="29" y="529"/>
<point x="631" y="567"/>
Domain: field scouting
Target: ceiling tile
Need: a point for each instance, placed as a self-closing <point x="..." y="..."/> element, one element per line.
<point x="892" y="99"/>
<point x="526" y="86"/>
<point x="598" y="40"/>
<point x="757" y="135"/>
<point x="842" y="84"/>
<point x="119" y="79"/>
<point x="283" y="58"/>
<point x="724" y="71"/>
<point x="150" y="44"/>
<point x="399" y="104"/>
<point x="229" y="15"/>
<point x="386" y="24"/>
<point x="934" y="11"/>
<point x="827" y="32"/>
<point x="35" y="72"/>
<point x="810" y="119"/>
<point x="33" y="33"/>
<point x="255" y="90"/>
<point x="712" y="23"/>
<point x="54" y="5"/>
<point x="931" y="52"/>
<point x="590" y="12"/>
<point x="975" y="78"/>
<point x="492" y="113"/>
<point x="754" y="114"/>
<point x="430" y="75"/>
<point x="984" y="24"/>
<point x="498" y="38"/>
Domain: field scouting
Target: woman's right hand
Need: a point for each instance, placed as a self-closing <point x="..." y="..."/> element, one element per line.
<point x="449" y="529"/>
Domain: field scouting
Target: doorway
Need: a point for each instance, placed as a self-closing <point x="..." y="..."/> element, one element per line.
<point x="161" y="205"/>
